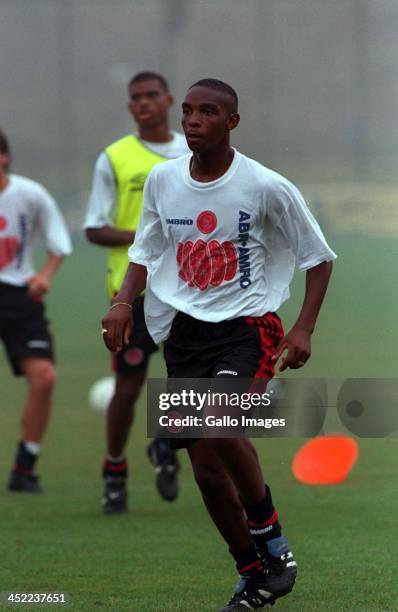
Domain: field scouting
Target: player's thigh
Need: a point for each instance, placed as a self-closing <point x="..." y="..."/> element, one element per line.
<point x="133" y="358"/>
<point x="28" y="337"/>
<point x="129" y="384"/>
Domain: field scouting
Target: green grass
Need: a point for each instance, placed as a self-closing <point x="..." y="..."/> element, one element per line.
<point x="163" y="557"/>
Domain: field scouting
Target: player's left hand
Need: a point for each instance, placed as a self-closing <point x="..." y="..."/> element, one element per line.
<point x="38" y="285"/>
<point x="298" y="345"/>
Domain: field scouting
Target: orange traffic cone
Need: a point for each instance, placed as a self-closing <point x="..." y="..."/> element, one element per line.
<point x="325" y="460"/>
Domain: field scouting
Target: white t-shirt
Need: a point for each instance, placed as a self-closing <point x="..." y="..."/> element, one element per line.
<point x="222" y="249"/>
<point x="101" y="203"/>
<point x="28" y="213"/>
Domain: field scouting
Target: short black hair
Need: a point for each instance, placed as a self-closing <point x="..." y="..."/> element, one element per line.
<point x="149" y="76"/>
<point x="4" y="146"/>
<point x="218" y="85"/>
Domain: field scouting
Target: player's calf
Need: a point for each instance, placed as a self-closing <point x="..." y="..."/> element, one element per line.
<point x="114" y="473"/>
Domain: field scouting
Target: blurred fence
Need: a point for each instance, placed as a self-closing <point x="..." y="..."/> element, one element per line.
<point x="370" y="209"/>
<point x="317" y="81"/>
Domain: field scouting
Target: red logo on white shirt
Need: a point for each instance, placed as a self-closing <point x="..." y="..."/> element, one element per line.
<point x="206" y="222"/>
<point x="9" y="247"/>
<point x="206" y="263"/>
<point x="3" y="223"/>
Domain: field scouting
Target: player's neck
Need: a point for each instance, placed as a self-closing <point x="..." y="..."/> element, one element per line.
<point x="210" y="165"/>
<point x="4" y="180"/>
<point x="158" y="133"/>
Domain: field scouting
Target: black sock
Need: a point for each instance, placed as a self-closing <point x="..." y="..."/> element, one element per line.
<point x="248" y="563"/>
<point x="262" y="518"/>
<point x="24" y="459"/>
<point x="115" y="471"/>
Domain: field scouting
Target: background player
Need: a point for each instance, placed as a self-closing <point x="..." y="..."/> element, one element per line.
<point x="27" y="212"/>
<point x="114" y="209"/>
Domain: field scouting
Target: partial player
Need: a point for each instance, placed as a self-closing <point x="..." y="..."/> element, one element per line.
<point x="28" y="213"/>
<point x="114" y="209"/>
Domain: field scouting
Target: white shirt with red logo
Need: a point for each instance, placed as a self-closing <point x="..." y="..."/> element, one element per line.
<point x="28" y="213"/>
<point x="222" y="249"/>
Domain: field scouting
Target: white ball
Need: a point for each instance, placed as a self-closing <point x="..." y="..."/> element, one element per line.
<point x="101" y="393"/>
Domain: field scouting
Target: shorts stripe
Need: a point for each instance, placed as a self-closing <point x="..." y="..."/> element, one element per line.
<point x="271" y="333"/>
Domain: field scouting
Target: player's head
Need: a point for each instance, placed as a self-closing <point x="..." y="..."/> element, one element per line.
<point x="149" y="99"/>
<point x="5" y="157"/>
<point x="209" y="113"/>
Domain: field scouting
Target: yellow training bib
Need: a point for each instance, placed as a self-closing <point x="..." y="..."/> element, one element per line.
<point x="131" y="162"/>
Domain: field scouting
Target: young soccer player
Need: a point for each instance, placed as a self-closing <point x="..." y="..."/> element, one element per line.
<point x="214" y="285"/>
<point x="27" y="213"/>
<point x="114" y="209"/>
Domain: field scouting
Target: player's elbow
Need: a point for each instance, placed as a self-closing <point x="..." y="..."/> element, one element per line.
<point x="93" y="235"/>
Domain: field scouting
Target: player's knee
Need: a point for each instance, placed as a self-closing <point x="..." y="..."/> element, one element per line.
<point x="227" y="447"/>
<point x="43" y="377"/>
<point x="209" y="478"/>
<point x="128" y="389"/>
<point x="127" y="395"/>
<point x="250" y="448"/>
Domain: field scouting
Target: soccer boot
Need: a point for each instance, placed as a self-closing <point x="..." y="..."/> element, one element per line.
<point x="24" y="483"/>
<point x="167" y="467"/>
<point x="249" y="595"/>
<point x="114" y="500"/>
<point x="280" y="566"/>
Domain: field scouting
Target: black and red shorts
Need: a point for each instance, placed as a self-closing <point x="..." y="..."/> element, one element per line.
<point x="24" y="328"/>
<point x="241" y="347"/>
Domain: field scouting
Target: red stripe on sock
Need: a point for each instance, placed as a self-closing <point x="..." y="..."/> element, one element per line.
<point x="257" y="564"/>
<point x="21" y="470"/>
<point x="270" y="521"/>
<point x="115" y="467"/>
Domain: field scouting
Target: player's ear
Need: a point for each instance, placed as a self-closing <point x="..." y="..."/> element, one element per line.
<point x="169" y="100"/>
<point x="130" y="108"/>
<point x="233" y="121"/>
<point x="5" y="161"/>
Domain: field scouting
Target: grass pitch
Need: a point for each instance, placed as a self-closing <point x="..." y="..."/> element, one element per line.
<point x="168" y="557"/>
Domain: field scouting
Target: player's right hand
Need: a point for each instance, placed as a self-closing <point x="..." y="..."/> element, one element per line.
<point x="117" y="327"/>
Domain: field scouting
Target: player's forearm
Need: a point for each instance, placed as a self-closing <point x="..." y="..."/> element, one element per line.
<point x="51" y="265"/>
<point x="109" y="236"/>
<point x="134" y="283"/>
<point x="317" y="281"/>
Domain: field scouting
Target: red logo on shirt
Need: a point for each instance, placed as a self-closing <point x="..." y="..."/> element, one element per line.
<point x="206" y="263"/>
<point x="3" y="223"/>
<point x="8" y="250"/>
<point x="206" y="222"/>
